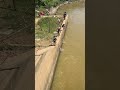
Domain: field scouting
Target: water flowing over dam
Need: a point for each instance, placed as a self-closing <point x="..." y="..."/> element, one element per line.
<point x="70" y="69"/>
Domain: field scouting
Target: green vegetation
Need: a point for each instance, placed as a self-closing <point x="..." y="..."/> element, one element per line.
<point x="42" y="5"/>
<point x="46" y="27"/>
<point x="49" y="3"/>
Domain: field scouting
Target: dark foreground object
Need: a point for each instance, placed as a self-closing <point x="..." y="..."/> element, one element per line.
<point x="17" y="57"/>
<point x="102" y="34"/>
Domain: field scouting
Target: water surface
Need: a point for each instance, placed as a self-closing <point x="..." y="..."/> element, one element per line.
<point x="70" y="70"/>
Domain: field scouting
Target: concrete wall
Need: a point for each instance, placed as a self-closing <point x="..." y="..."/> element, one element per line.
<point x="57" y="52"/>
<point x="44" y="76"/>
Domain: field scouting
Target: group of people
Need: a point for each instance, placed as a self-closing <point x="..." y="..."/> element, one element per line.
<point x="58" y="30"/>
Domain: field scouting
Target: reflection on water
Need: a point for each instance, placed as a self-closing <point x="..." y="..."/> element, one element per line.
<point x="70" y="71"/>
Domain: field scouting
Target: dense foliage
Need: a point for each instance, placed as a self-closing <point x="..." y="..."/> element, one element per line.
<point x="49" y="3"/>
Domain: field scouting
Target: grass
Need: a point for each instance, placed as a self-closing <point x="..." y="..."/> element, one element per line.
<point x="46" y="27"/>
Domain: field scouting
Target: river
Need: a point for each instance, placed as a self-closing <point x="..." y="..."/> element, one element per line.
<point x="70" y="69"/>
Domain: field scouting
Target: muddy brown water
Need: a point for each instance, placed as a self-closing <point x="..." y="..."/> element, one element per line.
<point x="70" y="70"/>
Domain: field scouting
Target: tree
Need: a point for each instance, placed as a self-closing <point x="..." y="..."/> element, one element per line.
<point x="48" y="3"/>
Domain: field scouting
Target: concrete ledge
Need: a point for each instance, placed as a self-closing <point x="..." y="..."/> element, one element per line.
<point x="44" y="75"/>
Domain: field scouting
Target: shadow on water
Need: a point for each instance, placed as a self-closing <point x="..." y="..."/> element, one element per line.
<point x="70" y="70"/>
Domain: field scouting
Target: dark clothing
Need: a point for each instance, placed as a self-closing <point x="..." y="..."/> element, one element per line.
<point x="64" y="15"/>
<point x="54" y="40"/>
<point x="58" y="31"/>
<point x="63" y="25"/>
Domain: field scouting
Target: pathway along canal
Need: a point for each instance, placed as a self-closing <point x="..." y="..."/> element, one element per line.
<point x="70" y="70"/>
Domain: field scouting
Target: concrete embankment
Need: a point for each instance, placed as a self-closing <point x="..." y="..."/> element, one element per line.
<point x="45" y="72"/>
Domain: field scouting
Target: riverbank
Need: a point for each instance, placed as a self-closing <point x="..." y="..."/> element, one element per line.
<point x="45" y="72"/>
<point x="53" y="10"/>
<point x="44" y="30"/>
<point x="40" y="33"/>
<point x="46" y="64"/>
